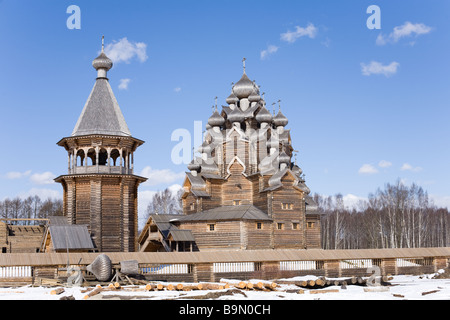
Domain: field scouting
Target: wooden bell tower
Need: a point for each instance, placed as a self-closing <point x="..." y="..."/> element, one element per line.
<point x="100" y="188"/>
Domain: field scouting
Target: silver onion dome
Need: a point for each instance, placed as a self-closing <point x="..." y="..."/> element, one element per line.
<point x="254" y="96"/>
<point x="102" y="62"/>
<point x="280" y="120"/>
<point x="243" y="88"/>
<point x="264" y="115"/>
<point x="216" y="120"/>
<point x="232" y="99"/>
<point x="193" y="165"/>
<point x="236" y="116"/>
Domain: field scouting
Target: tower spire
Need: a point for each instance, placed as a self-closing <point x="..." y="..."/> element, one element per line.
<point x="103" y="43"/>
<point x="243" y="63"/>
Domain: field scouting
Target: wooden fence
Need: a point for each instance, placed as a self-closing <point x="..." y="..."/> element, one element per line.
<point x="251" y="264"/>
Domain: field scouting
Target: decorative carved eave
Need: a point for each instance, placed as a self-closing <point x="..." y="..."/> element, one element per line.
<point x="95" y="139"/>
<point x="93" y="175"/>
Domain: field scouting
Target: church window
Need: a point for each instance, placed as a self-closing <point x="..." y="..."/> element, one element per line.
<point x="295" y="226"/>
<point x="310" y="225"/>
<point x="259" y="225"/>
<point x="280" y="226"/>
<point x="236" y="202"/>
<point x="287" y="206"/>
<point x="211" y="227"/>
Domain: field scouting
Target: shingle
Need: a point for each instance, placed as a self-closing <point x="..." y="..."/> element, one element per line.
<point x="70" y="236"/>
<point x="244" y="212"/>
<point x="101" y="113"/>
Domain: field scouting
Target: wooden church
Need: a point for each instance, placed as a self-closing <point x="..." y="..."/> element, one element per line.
<point x="100" y="189"/>
<point x="244" y="191"/>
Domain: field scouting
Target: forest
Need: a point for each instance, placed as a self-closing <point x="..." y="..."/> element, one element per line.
<point x="396" y="216"/>
<point x="32" y="207"/>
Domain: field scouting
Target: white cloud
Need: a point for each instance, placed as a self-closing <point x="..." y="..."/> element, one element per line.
<point x="407" y="167"/>
<point x="163" y="176"/>
<point x="292" y="36"/>
<point x="384" y="164"/>
<point x="408" y="29"/>
<point x="440" y="201"/>
<point x="367" y="169"/>
<point x="375" y="67"/>
<point x="177" y="89"/>
<point x="271" y="49"/>
<point x="17" y="175"/>
<point x="123" y="85"/>
<point x="124" y="50"/>
<point x="42" y="178"/>
<point x="352" y="201"/>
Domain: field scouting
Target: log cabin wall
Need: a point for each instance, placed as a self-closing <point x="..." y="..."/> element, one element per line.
<point x="313" y="231"/>
<point x="288" y="216"/>
<point x="226" y="234"/>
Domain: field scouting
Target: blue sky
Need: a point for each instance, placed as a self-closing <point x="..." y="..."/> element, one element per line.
<point x="365" y="107"/>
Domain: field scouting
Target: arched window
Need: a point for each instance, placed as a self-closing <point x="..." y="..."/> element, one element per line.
<point x="103" y="157"/>
<point x="92" y="157"/>
<point x="115" y="156"/>
<point x="80" y="158"/>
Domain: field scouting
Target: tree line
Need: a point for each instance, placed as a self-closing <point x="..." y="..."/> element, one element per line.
<point x="396" y="216"/>
<point x="32" y="207"/>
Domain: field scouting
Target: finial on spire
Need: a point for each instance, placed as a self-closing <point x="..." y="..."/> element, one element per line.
<point x="215" y="102"/>
<point x="103" y="43"/>
<point x="273" y="108"/>
<point x="263" y="94"/>
<point x="279" y="105"/>
<point x="243" y="63"/>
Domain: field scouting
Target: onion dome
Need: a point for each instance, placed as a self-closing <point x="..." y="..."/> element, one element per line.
<point x="243" y="88"/>
<point x="254" y="97"/>
<point x="264" y="115"/>
<point x="102" y="62"/>
<point x="193" y="165"/>
<point x="236" y="116"/>
<point x="280" y="120"/>
<point x="297" y="170"/>
<point x="284" y="158"/>
<point x="216" y="120"/>
<point x="232" y="99"/>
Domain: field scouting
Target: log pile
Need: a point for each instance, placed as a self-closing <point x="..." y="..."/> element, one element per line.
<point x="315" y="285"/>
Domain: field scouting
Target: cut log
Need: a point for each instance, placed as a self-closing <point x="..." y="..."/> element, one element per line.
<point x="179" y="286"/>
<point x="150" y="287"/>
<point x="323" y="291"/>
<point x="57" y="291"/>
<point x="93" y="293"/>
<point x="428" y="292"/>
<point x="197" y="286"/>
<point x="214" y="286"/>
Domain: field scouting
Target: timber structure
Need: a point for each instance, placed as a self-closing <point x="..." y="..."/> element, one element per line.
<point x="243" y="191"/>
<point x="100" y="188"/>
<point x="28" y="268"/>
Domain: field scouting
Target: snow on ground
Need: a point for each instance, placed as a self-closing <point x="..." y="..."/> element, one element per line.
<point x="403" y="287"/>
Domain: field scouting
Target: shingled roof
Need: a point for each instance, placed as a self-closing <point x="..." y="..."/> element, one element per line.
<point x="243" y="212"/>
<point x="101" y="113"/>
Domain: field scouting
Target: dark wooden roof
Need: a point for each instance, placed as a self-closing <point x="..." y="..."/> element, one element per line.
<point x="66" y="236"/>
<point x="243" y="212"/>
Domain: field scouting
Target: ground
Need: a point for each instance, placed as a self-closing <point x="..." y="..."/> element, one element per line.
<point x="403" y="287"/>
